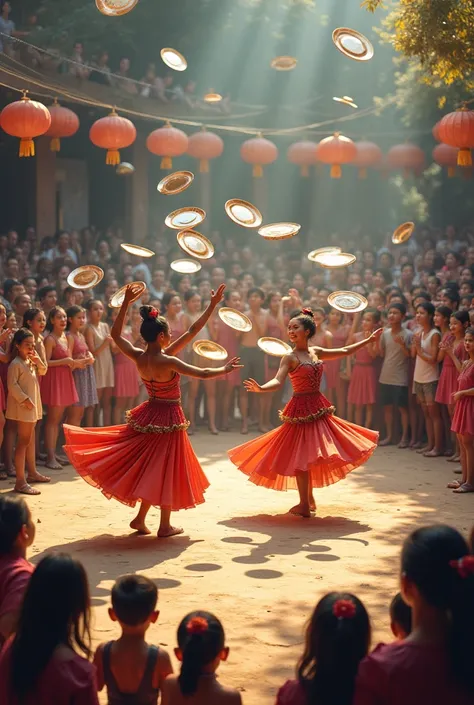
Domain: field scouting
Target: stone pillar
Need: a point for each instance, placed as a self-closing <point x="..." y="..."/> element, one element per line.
<point x="45" y="188"/>
<point x="138" y="192"/>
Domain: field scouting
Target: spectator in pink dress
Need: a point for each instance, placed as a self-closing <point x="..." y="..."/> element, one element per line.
<point x="17" y="533"/>
<point x="41" y="665"/>
<point x="433" y="666"/>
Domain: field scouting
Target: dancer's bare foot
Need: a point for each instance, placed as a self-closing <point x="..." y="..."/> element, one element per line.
<point x="167" y="531"/>
<point x="312" y="506"/>
<point x="301" y="510"/>
<point x="385" y="442"/>
<point x="140" y="527"/>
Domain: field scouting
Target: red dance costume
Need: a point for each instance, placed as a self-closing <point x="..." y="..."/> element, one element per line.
<point x="311" y="439"/>
<point x="148" y="458"/>
<point x="363" y="384"/>
<point x="448" y="379"/>
<point x="463" y="418"/>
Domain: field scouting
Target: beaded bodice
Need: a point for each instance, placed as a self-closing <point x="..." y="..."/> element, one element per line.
<point x="306" y="378"/>
<point x="164" y="391"/>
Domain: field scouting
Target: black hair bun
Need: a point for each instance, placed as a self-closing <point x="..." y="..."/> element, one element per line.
<point x="145" y="312"/>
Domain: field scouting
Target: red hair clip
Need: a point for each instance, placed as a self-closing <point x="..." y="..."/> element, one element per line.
<point x="197" y="625"/>
<point x="153" y="313"/>
<point x="344" y="609"/>
<point x="307" y="311"/>
<point x="464" y="566"/>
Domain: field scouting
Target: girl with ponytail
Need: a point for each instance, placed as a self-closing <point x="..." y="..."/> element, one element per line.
<point x="434" y="664"/>
<point x="201" y="648"/>
<point x="149" y="459"/>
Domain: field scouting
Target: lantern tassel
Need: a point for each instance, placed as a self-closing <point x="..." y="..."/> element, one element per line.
<point x="304" y="171"/>
<point x="55" y="144"/>
<point x="113" y="157"/>
<point x="204" y="166"/>
<point x="27" y="147"/>
<point x="336" y="171"/>
<point x="166" y="163"/>
<point x="363" y="173"/>
<point x="464" y="157"/>
<point x="451" y="172"/>
<point x="257" y="171"/>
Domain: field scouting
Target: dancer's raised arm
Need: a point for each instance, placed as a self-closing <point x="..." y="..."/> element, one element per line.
<point x="184" y="368"/>
<point x="285" y="365"/>
<point x="182" y="341"/>
<point x="336" y="353"/>
<point x="123" y="344"/>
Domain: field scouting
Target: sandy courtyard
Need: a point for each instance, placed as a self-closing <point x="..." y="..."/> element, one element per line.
<point x="259" y="569"/>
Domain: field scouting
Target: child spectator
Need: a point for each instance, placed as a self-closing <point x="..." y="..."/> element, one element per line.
<point x="17" y="533"/>
<point x="400" y="618"/>
<point x="53" y="627"/>
<point x="131" y="669"/>
<point x="201" y="648"/>
<point x="98" y="339"/>
<point x="83" y="373"/>
<point x="395" y="344"/>
<point x="433" y="666"/>
<point x="253" y="359"/>
<point x="363" y="381"/>
<point x="24" y="407"/>
<point x="337" y="639"/>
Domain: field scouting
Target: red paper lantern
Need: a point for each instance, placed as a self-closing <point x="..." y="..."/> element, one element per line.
<point x="369" y="154"/>
<point x="447" y="156"/>
<point x="64" y="123"/>
<point x="435" y="132"/>
<point x="167" y="142"/>
<point x="258" y="151"/>
<point x="335" y="151"/>
<point x="25" y="119"/>
<point x="304" y="154"/>
<point x="113" y="133"/>
<point x="205" y="146"/>
<point x="408" y="157"/>
<point x="457" y="130"/>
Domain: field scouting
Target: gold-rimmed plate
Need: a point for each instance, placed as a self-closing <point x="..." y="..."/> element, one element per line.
<point x="347" y="100"/>
<point x="85" y="277"/>
<point x="235" y="319"/>
<point x="117" y="299"/>
<point x="174" y="59"/>
<point x="284" y="63"/>
<point x="274" y="346"/>
<point x="195" y="244"/>
<point x="185" y="266"/>
<point x="136" y="250"/>
<point x="185" y="218"/>
<point x="347" y="301"/>
<point x="403" y="233"/>
<point x="333" y="260"/>
<point x="323" y="251"/>
<point x="212" y="97"/>
<point x="352" y="44"/>
<point x="175" y="183"/>
<point x="114" y="8"/>
<point x="125" y="169"/>
<point x="210" y="350"/>
<point x="243" y="213"/>
<point x="279" y="231"/>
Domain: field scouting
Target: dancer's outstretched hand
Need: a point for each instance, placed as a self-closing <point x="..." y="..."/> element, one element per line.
<point x="233" y="364"/>
<point x="252" y="386"/>
<point x="376" y="334"/>
<point x="217" y="296"/>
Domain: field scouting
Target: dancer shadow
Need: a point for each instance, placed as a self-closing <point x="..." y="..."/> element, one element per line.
<point x="290" y="535"/>
<point x="105" y="557"/>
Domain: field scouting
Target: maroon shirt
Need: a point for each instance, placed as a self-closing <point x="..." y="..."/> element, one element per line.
<point x="405" y="673"/>
<point x="15" y="575"/>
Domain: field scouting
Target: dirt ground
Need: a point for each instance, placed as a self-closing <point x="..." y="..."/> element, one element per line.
<point x="242" y="557"/>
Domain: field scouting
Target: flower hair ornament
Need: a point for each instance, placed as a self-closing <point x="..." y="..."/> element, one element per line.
<point x="153" y="314"/>
<point x="197" y="625"/>
<point x="344" y="609"/>
<point x="464" y="566"/>
<point x="307" y="311"/>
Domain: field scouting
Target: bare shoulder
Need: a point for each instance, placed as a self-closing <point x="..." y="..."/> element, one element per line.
<point x="291" y="360"/>
<point x="315" y="351"/>
<point x="229" y="696"/>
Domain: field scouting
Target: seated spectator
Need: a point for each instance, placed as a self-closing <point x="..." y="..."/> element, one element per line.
<point x="124" y="81"/>
<point x="41" y="664"/>
<point x="337" y="639"/>
<point x="17" y="533"/>
<point x="161" y="86"/>
<point x="433" y="666"/>
<point x="21" y="304"/>
<point x="186" y="95"/>
<point x="7" y="27"/>
<point x="48" y="298"/>
<point x="77" y="65"/>
<point x="129" y="667"/>
<point x="400" y="618"/>
<point x="61" y="248"/>
<point x="101" y="72"/>
<point x="201" y="648"/>
<point x="11" y="289"/>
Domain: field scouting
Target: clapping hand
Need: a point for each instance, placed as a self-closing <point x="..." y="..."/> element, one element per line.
<point x="252" y="386"/>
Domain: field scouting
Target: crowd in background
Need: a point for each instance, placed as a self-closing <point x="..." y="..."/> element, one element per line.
<point x="422" y="293"/>
<point x="46" y="627"/>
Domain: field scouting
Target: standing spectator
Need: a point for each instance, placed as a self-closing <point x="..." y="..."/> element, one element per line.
<point x="99" y="341"/>
<point x="123" y="80"/>
<point x="48" y="298"/>
<point x="7" y="27"/>
<point x="17" y="533"/>
<point x="21" y="304"/>
<point x="101" y="72"/>
<point x="253" y="359"/>
<point x="62" y="248"/>
<point x="126" y="377"/>
<point x="84" y="377"/>
<point x="77" y="66"/>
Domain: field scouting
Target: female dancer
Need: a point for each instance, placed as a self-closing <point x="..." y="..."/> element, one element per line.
<point x="313" y="448"/>
<point x="149" y="459"/>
